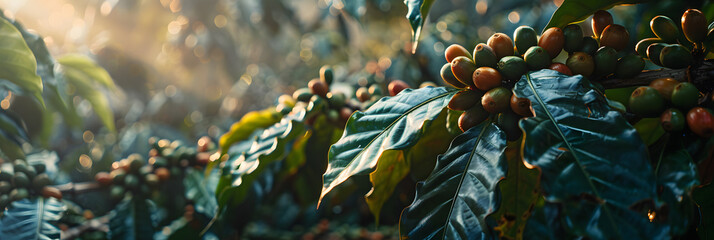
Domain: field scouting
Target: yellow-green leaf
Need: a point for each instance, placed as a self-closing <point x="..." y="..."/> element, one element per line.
<point x="17" y="63"/>
<point x="250" y="122"/>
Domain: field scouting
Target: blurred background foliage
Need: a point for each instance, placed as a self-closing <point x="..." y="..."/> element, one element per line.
<point x="190" y="68"/>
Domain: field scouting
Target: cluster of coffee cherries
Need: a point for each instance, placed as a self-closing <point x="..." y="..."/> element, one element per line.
<point x="20" y="180"/>
<point x="319" y="98"/>
<point x="669" y="49"/>
<point x="167" y="160"/>
<point x="670" y="99"/>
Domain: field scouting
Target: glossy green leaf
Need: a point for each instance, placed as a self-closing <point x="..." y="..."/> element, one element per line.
<point x="199" y="192"/>
<point x="519" y="191"/>
<point x="591" y="160"/>
<point x="418" y="160"/>
<point x="249" y="123"/>
<point x="272" y="145"/>
<point x="34" y="218"/>
<point x="417" y="12"/>
<point x="83" y="74"/>
<point x="18" y="64"/>
<point x="392" y="123"/>
<point x="571" y="11"/>
<point x="354" y="8"/>
<point x="676" y="173"/>
<point x="461" y="191"/>
<point x="649" y="129"/>
<point x="132" y="219"/>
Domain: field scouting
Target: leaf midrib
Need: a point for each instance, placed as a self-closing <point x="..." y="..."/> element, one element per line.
<point x="572" y="150"/>
<point x="463" y="176"/>
<point x="40" y="216"/>
<point x="389" y="127"/>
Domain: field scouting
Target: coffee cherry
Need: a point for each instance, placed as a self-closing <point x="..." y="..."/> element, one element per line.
<point x="601" y="19"/>
<point x="605" y="60"/>
<point x="701" y="122"/>
<point x="512" y="67"/>
<point x="552" y="41"/>
<point x="454" y="51"/>
<point x="448" y="76"/>
<point x="463" y="68"/>
<point x="465" y="100"/>
<point x="646" y="102"/>
<point x="486" y="78"/>
<point x="496" y="100"/>
<point x="573" y="38"/>
<point x="694" y="25"/>
<point x="501" y="44"/>
<point x="664" y="28"/>
<point x="484" y="56"/>
<point x="642" y="45"/>
<point x="318" y="87"/>
<point x="615" y="36"/>
<point x="326" y="75"/>
<point x="521" y="106"/>
<point x="162" y="173"/>
<point x="672" y="120"/>
<point x="685" y="95"/>
<point x="362" y="93"/>
<point x="396" y="86"/>
<point x="581" y="63"/>
<point x="562" y="68"/>
<point x="665" y="87"/>
<point x="524" y="38"/>
<point x="675" y="56"/>
<point x="629" y="66"/>
<point x="653" y="52"/>
<point x="472" y="117"/>
<point x="590" y="45"/>
<point x="302" y="94"/>
<point x="508" y="122"/>
<point x="537" y="58"/>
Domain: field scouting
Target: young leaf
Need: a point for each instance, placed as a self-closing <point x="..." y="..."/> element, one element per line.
<point x="519" y="192"/>
<point x="590" y="158"/>
<point x="571" y="11"/>
<point x="18" y="64"/>
<point x="249" y="123"/>
<point x="132" y="219"/>
<point x="32" y="219"/>
<point x="272" y="145"/>
<point x="649" y="129"/>
<point x="418" y="10"/>
<point x="392" y="123"/>
<point x="83" y="73"/>
<point x="461" y="191"/>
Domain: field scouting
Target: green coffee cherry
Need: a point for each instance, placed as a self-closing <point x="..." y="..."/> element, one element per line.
<point x="590" y="45"/>
<point x="18" y="194"/>
<point x="581" y="63"/>
<point x="685" y="95"/>
<point x="302" y="94"/>
<point x="642" y="45"/>
<point x="484" y="56"/>
<point x="654" y="51"/>
<point x="5" y="187"/>
<point x="664" y="28"/>
<point x="675" y="56"/>
<point x="573" y="38"/>
<point x="629" y="66"/>
<point x="605" y="61"/>
<point x="20" y="180"/>
<point x="537" y="58"/>
<point x="512" y="67"/>
<point x="646" y="102"/>
<point x="524" y="37"/>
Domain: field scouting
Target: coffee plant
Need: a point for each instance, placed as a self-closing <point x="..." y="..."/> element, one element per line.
<point x="576" y="129"/>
